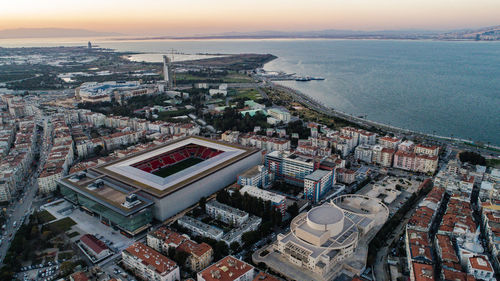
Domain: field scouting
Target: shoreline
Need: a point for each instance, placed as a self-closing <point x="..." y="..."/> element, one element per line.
<point x="315" y="105"/>
<point x="188" y="38"/>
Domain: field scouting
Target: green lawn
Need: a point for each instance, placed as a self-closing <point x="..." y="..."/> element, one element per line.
<point x="170" y="170"/>
<point x="495" y="163"/>
<point x="61" y="225"/>
<point x="231" y="77"/>
<point x="169" y="114"/>
<point x="249" y="94"/>
<point x="65" y="255"/>
<point x="73" y="234"/>
<point x="237" y="78"/>
<point x="45" y="216"/>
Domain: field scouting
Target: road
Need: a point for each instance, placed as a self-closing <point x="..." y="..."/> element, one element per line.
<point x="19" y="210"/>
<point x="380" y="267"/>
<point x="320" y="107"/>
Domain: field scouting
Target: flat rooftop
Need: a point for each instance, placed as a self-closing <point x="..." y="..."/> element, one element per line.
<point x="108" y="193"/>
<point x="298" y="157"/>
<point x="317" y="175"/>
<point x="251" y="172"/>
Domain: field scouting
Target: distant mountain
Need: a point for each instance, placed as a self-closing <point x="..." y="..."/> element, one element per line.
<point x="485" y="33"/>
<point x="328" y="33"/>
<point x="51" y="33"/>
<point x="333" y="33"/>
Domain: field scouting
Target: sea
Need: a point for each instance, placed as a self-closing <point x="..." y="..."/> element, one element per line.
<point x="447" y="88"/>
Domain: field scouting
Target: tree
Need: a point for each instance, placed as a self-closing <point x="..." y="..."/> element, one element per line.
<point x="265" y="228"/>
<point x="220" y="250"/>
<point x="235" y="246"/>
<point x="34" y="231"/>
<point x="250" y="237"/>
<point x="67" y="267"/>
<point x="293" y="210"/>
<point x="181" y="257"/>
<point x="472" y="157"/>
<point x="171" y="252"/>
<point x="98" y="149"/>
<point x="202" y="202"/>
<point x="6" y="273"/>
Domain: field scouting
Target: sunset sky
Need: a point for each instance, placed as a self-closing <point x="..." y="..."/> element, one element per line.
<point x="193" y="17"/>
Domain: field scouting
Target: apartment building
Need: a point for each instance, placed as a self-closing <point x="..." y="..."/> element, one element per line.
<point x="148" y="264"/>
<point x="226" y="213"/>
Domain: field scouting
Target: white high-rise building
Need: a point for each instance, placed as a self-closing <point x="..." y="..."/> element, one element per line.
<point x="167" y="72"/>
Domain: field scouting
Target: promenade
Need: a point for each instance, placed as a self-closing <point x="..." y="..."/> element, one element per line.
<point x="365" y="123"/>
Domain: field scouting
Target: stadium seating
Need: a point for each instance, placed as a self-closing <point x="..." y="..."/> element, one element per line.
<point x="205" y="154"/>
<point x="173" y="157"/>
<point x="155" y="164"/>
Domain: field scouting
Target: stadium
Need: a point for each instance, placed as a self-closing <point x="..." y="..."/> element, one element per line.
<point x="172" y="176"/>
<point x="176" y="160"/>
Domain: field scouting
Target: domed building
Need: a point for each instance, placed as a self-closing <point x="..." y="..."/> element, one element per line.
<point x="328" y="240"/>
<point x="319" y="239"/>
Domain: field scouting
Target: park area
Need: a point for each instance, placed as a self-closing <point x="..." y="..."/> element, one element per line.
<point x="245" y="94"/>
<point x="43" y="239"/>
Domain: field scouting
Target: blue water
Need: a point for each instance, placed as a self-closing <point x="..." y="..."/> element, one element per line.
<point x="447" y="88"/>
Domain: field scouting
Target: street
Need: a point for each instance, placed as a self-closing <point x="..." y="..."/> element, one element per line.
<point x="19" y="210"/>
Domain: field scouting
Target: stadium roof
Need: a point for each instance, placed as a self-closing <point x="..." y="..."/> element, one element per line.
<point x="123" y="171"/>
<point x="109" y="193"/>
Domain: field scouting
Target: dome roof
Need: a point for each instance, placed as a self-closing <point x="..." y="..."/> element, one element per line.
<point x="325" y="217"/>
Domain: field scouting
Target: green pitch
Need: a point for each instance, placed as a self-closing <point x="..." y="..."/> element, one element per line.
<point x="177" y="167"/>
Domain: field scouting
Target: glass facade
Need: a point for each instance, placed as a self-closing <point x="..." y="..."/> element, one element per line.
<point x="128" y="223"/>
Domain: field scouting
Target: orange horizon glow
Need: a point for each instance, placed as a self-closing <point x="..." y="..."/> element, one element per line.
<point x="194" y="17"/>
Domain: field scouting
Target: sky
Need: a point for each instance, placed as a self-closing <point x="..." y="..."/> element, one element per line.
<point x="197" y="17"/>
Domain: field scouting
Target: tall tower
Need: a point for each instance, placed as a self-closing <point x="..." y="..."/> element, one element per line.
<point x="167" y="72"/>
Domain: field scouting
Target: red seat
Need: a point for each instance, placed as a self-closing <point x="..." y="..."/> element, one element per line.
<point x="205" y="154"/>
<point x="155" y="164"/>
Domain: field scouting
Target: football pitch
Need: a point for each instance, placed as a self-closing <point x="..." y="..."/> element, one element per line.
<point x="177" y="167"/>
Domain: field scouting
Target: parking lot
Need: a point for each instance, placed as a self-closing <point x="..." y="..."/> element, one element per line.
<point x="43" y="272"/>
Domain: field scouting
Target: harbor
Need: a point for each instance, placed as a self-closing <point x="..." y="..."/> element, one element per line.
<point x="283" y="76"/>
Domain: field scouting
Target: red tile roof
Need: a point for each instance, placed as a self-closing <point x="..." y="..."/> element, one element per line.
<point x="457" y="276"/>
<point x="227" y="269"/>
<point x="79" y="276"/>
<point x="423" y="272"/>
<point x="168" y="236"/>
<point x="480" y="263"/>
<point x="447" y="250"/>
<point x="194" y="248"/>
<point x="150" y="257"/>
<point x="93" y="243"/>
<point x="389" y="139"/>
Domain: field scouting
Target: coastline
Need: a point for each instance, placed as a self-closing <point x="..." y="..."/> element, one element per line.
<point x="363" y="122"/>
<point x="194" y="38"/>
<point x="315" y="105"/>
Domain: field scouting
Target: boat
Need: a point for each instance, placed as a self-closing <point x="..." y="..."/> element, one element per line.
<point x="308" y="78"/>
<point x="303" y="79"/>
